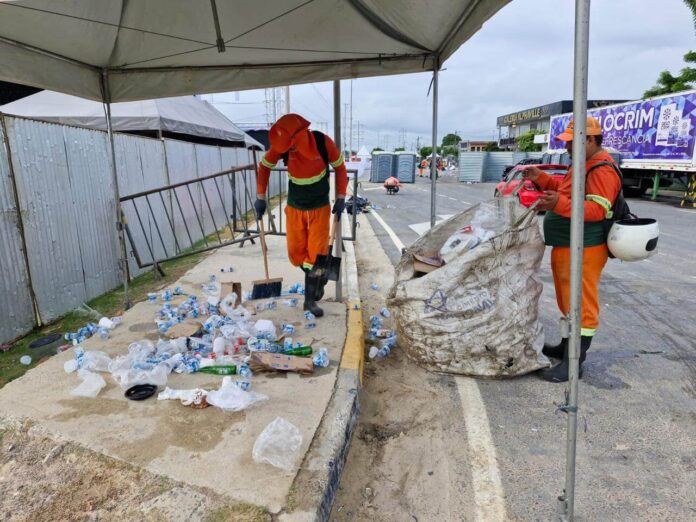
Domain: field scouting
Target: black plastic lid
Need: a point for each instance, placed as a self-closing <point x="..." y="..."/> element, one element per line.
<point x="140" y="392"/>
<point x="43" y="341"/>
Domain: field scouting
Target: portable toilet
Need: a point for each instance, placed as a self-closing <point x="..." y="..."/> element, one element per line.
<point x="382" y="166"/>
<point x="405" y="167"/>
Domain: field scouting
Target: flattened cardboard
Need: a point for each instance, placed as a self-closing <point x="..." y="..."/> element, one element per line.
<point x="269" y="362"/>
<point x="227" y="287"/>
<point x="185" y="329"/>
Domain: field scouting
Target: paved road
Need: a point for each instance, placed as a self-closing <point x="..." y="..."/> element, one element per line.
<point x="637" y="440"/>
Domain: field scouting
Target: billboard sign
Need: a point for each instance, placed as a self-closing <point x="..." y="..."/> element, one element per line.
<point x="654" y="129"/>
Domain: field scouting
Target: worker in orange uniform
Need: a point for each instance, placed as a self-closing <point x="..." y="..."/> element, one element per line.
<point x="307" y="156"/>
<point x="602" y="186"/>
<point x="422" y="167"/>
<point x="392" y="185"/>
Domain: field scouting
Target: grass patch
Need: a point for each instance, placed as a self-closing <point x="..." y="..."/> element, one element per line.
<point x="239" y="513"/>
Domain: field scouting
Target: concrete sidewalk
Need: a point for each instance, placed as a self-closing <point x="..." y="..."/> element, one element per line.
<point x="210" y="448"/>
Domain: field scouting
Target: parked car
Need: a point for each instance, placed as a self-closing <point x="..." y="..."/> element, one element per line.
<point x="529" y="193"/>
<point x="526" y="161"/>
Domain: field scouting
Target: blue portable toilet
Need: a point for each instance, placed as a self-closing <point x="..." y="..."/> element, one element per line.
<point x="405" y="167"/>
<point x="382" y="166"/>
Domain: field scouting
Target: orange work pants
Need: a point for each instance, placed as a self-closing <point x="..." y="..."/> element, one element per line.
<point x="593" y="261"/>
<point x="307" y="234"/>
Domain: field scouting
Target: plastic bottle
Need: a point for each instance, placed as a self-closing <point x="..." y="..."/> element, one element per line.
<point x="167" y="295"/>
<point x="309" y="315"/>
<point x="385" y="312"/>
<point x="151" y="297"/>
<point x="375" y="286"/>
<point x="321" y="360"/>
<point x="25" y="360"/>
<point x="271" y="305"/>
<point x="292" y="302"/>
<point x="288" y="329"/>
<point x="310" y="326"/>
<point x="244" y="385"/>
<point x="245" y="371"/>
<point x="104" y="333"/>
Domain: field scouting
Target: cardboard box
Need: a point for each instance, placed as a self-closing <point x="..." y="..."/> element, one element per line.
<point x="185" y="329"/>
<point x="426" y="264"/>
<point x="227" y="287"/>
<point x="278" y="362"/>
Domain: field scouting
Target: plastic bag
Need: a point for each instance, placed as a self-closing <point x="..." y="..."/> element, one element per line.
<point x="232" y="398"/>
<point x="278" y="444"/>
<point x="187" y="397"/>
<point x="488" y="221"/>
<point x="462" y="240"/>
<point x="126" y="376"/>
<point x="91" y="385"/>
<point x="265" y="329"/>
<point x="227" y="304"/>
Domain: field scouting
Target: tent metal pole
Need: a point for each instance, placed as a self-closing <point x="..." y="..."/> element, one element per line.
<point x="120" y="217"/>
<point x="582" y="34"/>
<point x="433" y="162"/>
<point x="338" y="243"/>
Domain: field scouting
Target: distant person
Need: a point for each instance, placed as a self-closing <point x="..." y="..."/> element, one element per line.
<point x="423" y="166"/>
<point x="392" y="185"/>
<point x="602" y="186"/>
<point x="307" y="156"/>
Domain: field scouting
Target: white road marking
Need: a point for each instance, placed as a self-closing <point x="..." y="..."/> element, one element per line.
<point x="395" y="239"/>
<point x="685" y="210"/>
<point x="488" y="489"/>
<point x="372" y="188"/>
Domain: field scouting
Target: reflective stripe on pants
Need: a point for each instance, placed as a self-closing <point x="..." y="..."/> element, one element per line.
<point x="593" y="261"/>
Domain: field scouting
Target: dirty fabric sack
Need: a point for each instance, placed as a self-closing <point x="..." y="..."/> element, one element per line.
<point x="478" y="314"/>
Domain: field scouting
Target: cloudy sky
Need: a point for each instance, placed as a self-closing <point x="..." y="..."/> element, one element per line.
<point x="521" y="58"/>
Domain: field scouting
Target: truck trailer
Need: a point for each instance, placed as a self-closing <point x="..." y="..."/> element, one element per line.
<point x="652" y="139"/>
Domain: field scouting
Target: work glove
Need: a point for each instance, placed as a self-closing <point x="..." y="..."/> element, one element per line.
<point x="339" y="207"/>
<point x="260" y="207"/>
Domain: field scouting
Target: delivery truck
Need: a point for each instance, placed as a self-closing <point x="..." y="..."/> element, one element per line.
<point x="652" y="139"/>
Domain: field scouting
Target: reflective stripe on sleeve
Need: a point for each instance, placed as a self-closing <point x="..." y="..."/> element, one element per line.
<point x="338" y="162"/>
<point x="603" y="202"/>
<point x="267" y="163"/>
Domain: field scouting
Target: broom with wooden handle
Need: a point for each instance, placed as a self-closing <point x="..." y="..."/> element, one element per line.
<point x="264" y="288"/>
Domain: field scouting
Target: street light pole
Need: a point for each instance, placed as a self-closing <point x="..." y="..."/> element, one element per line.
<point x="433" y="162"/>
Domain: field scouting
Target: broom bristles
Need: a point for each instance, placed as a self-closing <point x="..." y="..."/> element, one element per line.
<point x="267" y="288"/>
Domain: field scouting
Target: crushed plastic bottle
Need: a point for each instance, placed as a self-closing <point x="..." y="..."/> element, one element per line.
<point x="321" y="360"/>
<point x="244" y="384"/>
<point x="288" y="329"/>
<point x="167" y="295"/>
<point x="178" y="290"/>
<point x="292" y="302"/>
<point x="375" y="321"/>
<point x="151" y="297"/>
<point x="310" y="326"/>
<point x="385" y="312"/>
<point x="104" y="333"/>
<point x="374" y="286"/>
<point x="309" y="316"/>
<point x="271" y="305"/>
<point x="245" y="371"/>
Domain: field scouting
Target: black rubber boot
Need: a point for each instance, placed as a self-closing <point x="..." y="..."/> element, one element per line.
<point x="310" y="299"/>
<point x="559" y="373"/>
<point x="556" y="351"/>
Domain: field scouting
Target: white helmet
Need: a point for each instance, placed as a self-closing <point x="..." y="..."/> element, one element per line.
<point x="633" y="239"/>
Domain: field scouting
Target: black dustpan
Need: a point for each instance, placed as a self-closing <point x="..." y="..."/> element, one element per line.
<point x="328" y="266"/>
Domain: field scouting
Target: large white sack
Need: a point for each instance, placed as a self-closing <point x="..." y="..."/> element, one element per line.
<point x="478" y="314"/>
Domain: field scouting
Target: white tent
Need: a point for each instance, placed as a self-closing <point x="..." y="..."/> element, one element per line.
<point x="154" y="48"/>
<point x="181" y="115"/>
<point x="363" y="152"/>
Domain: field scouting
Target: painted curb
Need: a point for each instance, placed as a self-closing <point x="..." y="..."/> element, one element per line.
<point x="321" y="469"/>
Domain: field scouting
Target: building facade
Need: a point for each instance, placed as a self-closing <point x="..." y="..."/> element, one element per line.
<point x="511" y="126"/>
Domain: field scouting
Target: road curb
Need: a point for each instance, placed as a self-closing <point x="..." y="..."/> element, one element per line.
<point x="315" y="486"/>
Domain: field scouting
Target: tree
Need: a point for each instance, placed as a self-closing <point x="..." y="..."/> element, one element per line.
<point x="451" y="139"/>
<point x="525" y="142"/>
<point x="397" y="149"/>
<point x="426" y="151"/>
<point x="667" y="83"/>
<point x="449" y="150"/>
<point x="492" y="146"/>
<point x="376" y="149"/>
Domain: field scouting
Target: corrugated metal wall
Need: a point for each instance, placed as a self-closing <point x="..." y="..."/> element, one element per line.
<point x="471" y="166"/>
<point x="16" y="310"/>
<point x="475" y="167"/>
<point x="67" y="201"/>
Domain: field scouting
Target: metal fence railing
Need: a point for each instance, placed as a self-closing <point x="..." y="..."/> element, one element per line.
<point x="206" y="213"/>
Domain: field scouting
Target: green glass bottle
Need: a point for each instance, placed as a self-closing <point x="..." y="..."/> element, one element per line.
<point x="302" y="351"/>
<point x="220" y="370"/>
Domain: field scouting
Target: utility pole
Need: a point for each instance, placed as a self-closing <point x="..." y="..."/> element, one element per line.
<point x="345" y="128"/>
<point x="418" y="145"/>
<point x="287" y="99"/>
<point x="350" y="135"/>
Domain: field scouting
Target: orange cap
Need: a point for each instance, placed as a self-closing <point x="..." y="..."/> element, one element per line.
<point x="283" y="132"/>
<point x="593" y="129"/>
